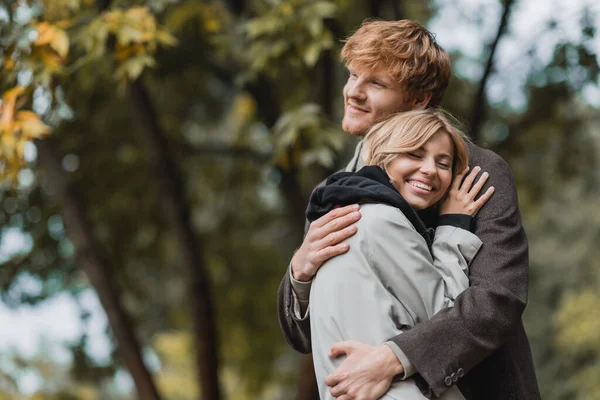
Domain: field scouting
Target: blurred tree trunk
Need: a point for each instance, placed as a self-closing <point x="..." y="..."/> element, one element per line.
<point x="480" y="100"/>
<point x="268" y="108"/>
<point x="97" y="267"/>
<point x="172" y="198"/>
<point x="399" y="10"/>
<point x="375" y="8"/>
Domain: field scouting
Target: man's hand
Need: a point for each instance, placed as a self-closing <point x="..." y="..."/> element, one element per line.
<point x="324" y="240"/>
<point x="365" y="374"/>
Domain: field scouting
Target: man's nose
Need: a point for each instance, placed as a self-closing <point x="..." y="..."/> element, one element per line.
<point x="356" y="89"/>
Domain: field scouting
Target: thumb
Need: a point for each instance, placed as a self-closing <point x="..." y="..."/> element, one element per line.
<point x="341" y="348"/>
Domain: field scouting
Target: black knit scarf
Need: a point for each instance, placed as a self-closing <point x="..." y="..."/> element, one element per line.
<point x="370" y="184"/>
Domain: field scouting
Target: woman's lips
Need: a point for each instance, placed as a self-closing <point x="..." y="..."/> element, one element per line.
<point x="420" y="188"/>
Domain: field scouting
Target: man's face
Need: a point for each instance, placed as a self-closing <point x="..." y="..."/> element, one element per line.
<point x="370" y="96"/>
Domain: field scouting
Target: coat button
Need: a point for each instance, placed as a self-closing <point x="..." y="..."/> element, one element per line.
<point x="448" y="381"/>
<point x="460" y="372"/>
<point x="454" y="377"/>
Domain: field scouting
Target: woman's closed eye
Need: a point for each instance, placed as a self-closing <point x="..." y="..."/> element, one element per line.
<point x="416" y="156"/>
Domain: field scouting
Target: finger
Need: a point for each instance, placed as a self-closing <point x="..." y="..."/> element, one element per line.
<point x="336" y="237"/>
<point x="339" y="224"/>
<point x="341" y="348"/>
<point x="468" y="182"/>
<point x="328" y="252"/>
<point x="338" y="391"/>
<point x="333" y="379"/>
<point x="334" y="214"/>
<point x="459" y="178"/>
<point x="483" y="199"/>
<point x="344" y="397"/>
<point x="478" y="185"/>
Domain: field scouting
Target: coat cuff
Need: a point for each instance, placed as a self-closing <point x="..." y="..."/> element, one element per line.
<point x="462" y="221"/>
<point x="409" y="368"/>
<point x="300" y="297"/>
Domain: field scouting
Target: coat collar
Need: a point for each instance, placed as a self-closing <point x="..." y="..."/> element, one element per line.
<point x="357" y="161"/>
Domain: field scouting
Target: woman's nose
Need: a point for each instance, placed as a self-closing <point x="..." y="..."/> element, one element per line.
<point x="428" y="166"/>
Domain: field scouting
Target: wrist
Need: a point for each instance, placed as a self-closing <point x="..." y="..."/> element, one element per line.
<point x="297" y="272"/>
<point x="392" y="365"/>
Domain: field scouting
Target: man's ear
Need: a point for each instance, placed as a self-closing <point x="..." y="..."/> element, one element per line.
<point x="422" y="103"/>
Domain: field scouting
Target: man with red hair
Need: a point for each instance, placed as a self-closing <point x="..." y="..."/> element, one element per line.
<point x="479" y="344"/>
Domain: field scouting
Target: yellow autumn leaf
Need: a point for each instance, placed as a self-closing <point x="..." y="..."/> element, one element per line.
<point x="60" y="43"/>
<point x="9" y="141"/>
<point x="54" y="37"/>
<point x="30" y="125"/>
<point x="49" y="58"/>
<point x="12" y="94"/>
<point x="9" y="62"/>
<point x="7" y="109"/>
<point x="45" y="33"/>
<point x="139" y="16"/>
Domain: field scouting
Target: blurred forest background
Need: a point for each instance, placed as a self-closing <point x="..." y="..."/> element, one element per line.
<point x="157" y="157"/>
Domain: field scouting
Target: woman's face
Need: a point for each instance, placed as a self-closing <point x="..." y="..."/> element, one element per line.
<point x="423" y="176"/>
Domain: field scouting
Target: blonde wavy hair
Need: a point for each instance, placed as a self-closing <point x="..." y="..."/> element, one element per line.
<point x="408" y="51"/>
<point x="408" y="131"/>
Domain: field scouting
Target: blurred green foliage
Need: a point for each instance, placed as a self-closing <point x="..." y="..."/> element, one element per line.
<point x="248" y="97"/>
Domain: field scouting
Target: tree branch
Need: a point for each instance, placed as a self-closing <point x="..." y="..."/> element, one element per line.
<point x="480" y="101"/>
<point x="91" y="257"/>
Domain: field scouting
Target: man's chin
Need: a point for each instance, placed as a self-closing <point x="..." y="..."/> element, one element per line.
<point x="355" y="130"/>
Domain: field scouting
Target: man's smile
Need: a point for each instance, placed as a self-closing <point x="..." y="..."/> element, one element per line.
<point x="355" y="109"/>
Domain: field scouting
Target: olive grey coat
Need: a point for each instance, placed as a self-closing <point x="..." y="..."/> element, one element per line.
<point x="386" y="283"/>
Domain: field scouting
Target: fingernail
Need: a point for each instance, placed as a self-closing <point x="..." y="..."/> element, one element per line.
<point x="485" y="174"/>
<point x="477" y="168"/>
<point x="355" y="214"/>
<point x="355" y="206"/>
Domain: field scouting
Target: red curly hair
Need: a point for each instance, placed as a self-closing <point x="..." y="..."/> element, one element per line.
<point x="408" y="50"/>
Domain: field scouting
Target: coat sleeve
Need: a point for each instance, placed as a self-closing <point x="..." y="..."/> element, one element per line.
<point x="295" y="330"/>
<point x="422" y="282"/>
<point x="294" y="326"/>
<point x="485" y="314"/>
<point x="453" y="250"/>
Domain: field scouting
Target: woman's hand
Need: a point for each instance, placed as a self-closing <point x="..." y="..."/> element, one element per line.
<point x="461" y="195"/>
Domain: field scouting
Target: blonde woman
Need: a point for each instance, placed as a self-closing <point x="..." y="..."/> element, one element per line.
<point x="396" y="273"/>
